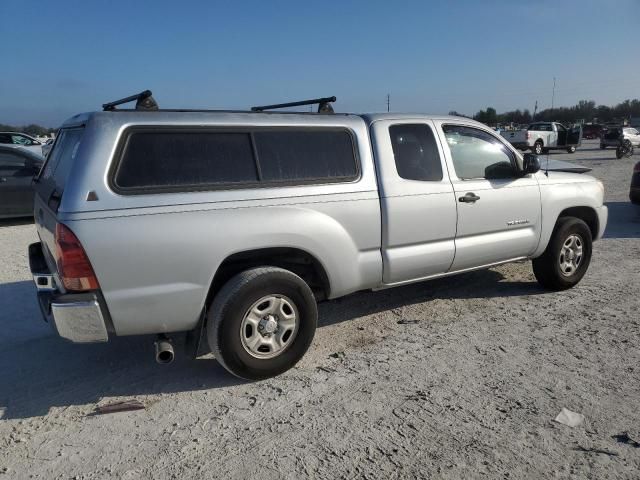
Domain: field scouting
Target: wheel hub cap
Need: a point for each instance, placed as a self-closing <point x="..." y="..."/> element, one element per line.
<point x="571" y="255"/>
<point x="269" y="326"/>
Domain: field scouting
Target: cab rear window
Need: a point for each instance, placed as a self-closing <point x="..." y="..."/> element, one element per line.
<point x="183" y="159"/>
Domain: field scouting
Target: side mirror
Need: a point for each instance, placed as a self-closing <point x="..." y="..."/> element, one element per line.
<point x="531" y="163"/>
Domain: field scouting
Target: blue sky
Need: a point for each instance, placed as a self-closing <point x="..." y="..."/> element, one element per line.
<point x="68" y="56"/>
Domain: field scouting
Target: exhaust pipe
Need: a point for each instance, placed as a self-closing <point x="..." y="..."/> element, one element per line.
<point x="164" y="350"/>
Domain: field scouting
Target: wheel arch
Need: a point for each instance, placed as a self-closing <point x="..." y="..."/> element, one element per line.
<point x="587" y="214"/>
<point x="294" y="259"/>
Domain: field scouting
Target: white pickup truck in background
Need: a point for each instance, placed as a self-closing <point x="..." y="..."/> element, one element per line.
<point x="541" y="137"/>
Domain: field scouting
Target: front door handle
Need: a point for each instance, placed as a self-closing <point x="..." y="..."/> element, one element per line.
<point x="469" y="198"/>
<point x="3" y="179"/>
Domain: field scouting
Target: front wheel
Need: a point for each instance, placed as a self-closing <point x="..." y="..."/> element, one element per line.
<point x="625" y="149"/>
<point x="262" y="322"/>
<point x="571" y="149"/>
<point x="567" y="257"/>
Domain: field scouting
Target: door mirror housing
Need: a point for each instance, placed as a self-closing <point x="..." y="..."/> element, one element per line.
<point x="531" y="163"/>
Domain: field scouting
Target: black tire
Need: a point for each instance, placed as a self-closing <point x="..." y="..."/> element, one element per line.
<point x="537" y="148"/>
<point x="571" y="149"/>
<point x="231" y="304"/>
<point x="547" y="268"/>
<point x="634" y="198"/>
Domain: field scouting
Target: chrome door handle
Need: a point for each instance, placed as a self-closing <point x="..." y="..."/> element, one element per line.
<point x="469" y="198"/>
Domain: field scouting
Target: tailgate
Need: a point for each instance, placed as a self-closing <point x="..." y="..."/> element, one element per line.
<point x="514" y="136"/>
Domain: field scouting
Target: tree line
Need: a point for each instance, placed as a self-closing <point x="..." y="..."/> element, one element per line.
<point x="586" y="110"/>
<point x="33" y="130"/>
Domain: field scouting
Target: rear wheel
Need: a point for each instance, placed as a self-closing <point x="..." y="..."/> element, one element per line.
<point x="262" y="322"/>
<point x="571" y="149"/>
<point x="567" y="257"/>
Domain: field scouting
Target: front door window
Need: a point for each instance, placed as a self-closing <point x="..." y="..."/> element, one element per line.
<point x="477" y="154"/>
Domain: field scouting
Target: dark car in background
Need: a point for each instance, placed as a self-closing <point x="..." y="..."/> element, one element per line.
<point x="17" y="169"/>
<point x="614" y="136"/>
<point x="634" y="191"/>
<point x="592" y="131"/>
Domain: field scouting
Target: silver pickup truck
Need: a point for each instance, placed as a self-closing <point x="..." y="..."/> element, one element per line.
<point x="540" y="137"/>
<point x="232" y="225"/>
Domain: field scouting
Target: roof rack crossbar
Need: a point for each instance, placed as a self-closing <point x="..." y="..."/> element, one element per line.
<point x="144" y="101"/>
<point x="324" y="105"/>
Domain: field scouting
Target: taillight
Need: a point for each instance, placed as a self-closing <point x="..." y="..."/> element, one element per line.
<point x="74" y="267"/>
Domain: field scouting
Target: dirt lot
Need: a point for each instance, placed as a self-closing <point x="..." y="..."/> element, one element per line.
<point x="469" y="387"/>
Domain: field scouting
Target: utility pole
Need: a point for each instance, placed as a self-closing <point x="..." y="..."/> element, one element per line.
<point x="388" y="101"/>
<point x="535" y="109"/>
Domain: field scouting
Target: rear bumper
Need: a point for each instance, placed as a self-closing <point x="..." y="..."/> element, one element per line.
<point x="78" y="317"/>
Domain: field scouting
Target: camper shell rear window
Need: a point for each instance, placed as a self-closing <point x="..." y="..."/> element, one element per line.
<point x="179" y="159"/>
<point x="60" y="160"/>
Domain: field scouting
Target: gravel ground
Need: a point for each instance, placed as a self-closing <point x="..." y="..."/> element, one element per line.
<point x="467" y="386"/>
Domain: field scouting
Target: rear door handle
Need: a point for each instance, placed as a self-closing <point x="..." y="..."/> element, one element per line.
<point x="469" y="198"/>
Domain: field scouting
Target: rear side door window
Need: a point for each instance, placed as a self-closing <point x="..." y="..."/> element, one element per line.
<point x="22" y="140"/>
<point x="415" y="152"/>
<point x="477" y="154"/>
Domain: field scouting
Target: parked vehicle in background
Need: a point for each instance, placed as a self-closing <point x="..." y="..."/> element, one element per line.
<point x="517" y="138"/>
<point x="614" y="136"/>
<point x="232" y="225"/>
<point x="634" y="190"/>
<point x="592" y="131"/>
<point x="46" y="147"/>
<point x="541" y="137"/>
<point x="17" y="169"/>
<point x="22" y="140"/>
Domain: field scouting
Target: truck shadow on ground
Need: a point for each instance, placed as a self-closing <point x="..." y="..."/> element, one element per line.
<point x="624" y="220"/>
<point x="41" y="371"/>
<point x="479" y="284"/>
<point x="12" y="222"/>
